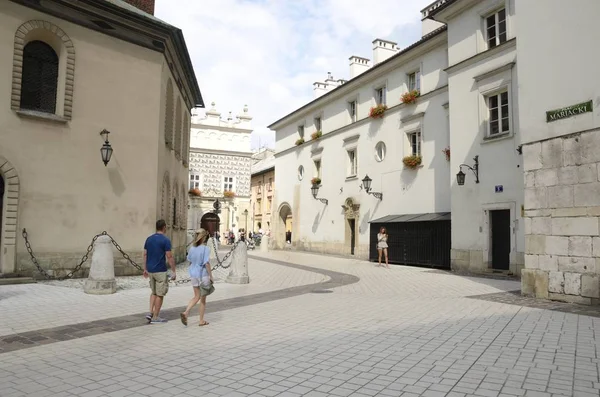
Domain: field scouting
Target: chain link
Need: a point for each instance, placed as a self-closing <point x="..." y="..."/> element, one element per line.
<point x="221" y="261"/>
<point x="83" y="259"/>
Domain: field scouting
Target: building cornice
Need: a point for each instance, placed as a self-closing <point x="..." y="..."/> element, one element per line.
<point x="196" y="126"/>
<point x="494" y="72"/>
<point x="357" y="123"/>
<point x="412" y="117"/>
<point x="220" y="152"/>
<point x="507" y="45"/>
<point x="430" y="41"/>
<point x="137" y="28"/>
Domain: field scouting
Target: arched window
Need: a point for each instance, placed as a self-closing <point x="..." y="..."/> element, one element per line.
<point x="40" y="77"/>
<point x="178" y="129"/>
<point x="169" y="115"/>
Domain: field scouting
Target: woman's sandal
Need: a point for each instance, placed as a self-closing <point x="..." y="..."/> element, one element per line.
<point x="183" y="318"/>
<point x="202" y="324"/>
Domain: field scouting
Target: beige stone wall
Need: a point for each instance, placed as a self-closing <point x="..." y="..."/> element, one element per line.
<point x="66" y="194"/>
<point x="562" y="214"/>
<point x="262" y="187"/>
<point x="472" y="261"/>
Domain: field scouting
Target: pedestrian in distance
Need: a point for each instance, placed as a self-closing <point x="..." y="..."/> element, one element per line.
<point x="157" y="251"/>
<point x="382" y="246"/>
<point x="200" y="274"/>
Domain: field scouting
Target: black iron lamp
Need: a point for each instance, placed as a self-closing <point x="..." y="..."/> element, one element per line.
<point x="460" y="177"/>
<point x="106" y="150"/>
<point x="217" y="206"/>
<point x="314" y="189"/>
<point x="367" y="186"/>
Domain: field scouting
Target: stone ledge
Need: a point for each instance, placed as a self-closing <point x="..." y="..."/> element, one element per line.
<point x="32" y="114"/>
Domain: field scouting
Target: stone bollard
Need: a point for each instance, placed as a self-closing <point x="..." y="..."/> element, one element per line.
<point x="239" y="266"/>
<point x="264" y="244"/>
<point x="101" y="280"/>
<point x="213" y="254"/>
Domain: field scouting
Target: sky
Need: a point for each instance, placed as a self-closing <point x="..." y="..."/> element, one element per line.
<point x="268" y="53"/>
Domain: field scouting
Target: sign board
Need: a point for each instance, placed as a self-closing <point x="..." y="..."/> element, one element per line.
<point x="565" y="113"/>
<point x="499" y="188"/>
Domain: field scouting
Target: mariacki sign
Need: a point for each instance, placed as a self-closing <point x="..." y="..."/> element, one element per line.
<point x="567" y="112"/>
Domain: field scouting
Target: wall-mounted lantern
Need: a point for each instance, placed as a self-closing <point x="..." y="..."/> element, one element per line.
<point x="106" y="150"/>
<point x="315" y="190"/>
<point x="217" y="206"/>
<point x="367" y="186"/>
<point x="460" y="177"/>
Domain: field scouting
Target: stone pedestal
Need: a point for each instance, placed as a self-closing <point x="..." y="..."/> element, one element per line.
<point x="264" y="244"/>
<point x="101" y="280"/>
<point x="239" y="266"/>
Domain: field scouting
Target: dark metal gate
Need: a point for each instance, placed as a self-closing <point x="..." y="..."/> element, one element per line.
<point x="419" y="239"/>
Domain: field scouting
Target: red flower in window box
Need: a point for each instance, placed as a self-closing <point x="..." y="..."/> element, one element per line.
<point x="412" y="161"/>
<point x="195" y="192"/>
<point x="410" y="96"/>
<point x="228" y="194"/>
<point x="377" y="112"/>
<point x="316" y="135"/>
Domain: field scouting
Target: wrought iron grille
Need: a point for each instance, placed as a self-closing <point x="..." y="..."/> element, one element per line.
<point x="39" y="78"/>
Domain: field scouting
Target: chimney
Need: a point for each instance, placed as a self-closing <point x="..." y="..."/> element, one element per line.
<point x="383" y="49"/>
<point x="331" y="82"/>
<point x="358" y="65"/>
<point x="320" y="89"/>
<point x="145" y="5"/>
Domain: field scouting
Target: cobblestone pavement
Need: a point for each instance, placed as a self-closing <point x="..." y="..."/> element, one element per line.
<point x="399" y="332"/>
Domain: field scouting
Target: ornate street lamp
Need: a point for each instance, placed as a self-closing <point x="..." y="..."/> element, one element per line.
<point x="106" y="150"/>
<point x="315" y="190"/>
<point x="367" y="186"/>
<point x="217" y="206"/>
<point x="460" y="177"/>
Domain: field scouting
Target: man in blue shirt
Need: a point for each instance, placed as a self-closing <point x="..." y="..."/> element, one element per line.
<point x="157" y="251"/>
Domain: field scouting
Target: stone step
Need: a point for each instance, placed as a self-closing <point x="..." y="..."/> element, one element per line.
<point x="16" y="280"/>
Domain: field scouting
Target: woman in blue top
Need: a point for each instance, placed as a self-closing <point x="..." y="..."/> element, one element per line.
<point x="201" y="275"/>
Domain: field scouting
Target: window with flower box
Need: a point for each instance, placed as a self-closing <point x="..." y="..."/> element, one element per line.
<point x="414" y="81"/>
<point x="228" y="184"/>
<point x="352" y="163"/>
<point x="415" y="143"/>
<point x="380" y="96"/>
<point x="352" y="108"/>
<point x="195" y="181"/>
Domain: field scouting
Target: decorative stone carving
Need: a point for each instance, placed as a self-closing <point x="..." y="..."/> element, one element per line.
<point x="351" y="210"/>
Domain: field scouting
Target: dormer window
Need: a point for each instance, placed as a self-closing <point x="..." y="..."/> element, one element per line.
<point x="495" y="27"/>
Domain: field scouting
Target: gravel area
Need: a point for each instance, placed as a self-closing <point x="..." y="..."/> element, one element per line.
<point x="133" y="282"/>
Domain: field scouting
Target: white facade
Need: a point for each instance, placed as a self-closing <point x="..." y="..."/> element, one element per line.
<point x="328" y="227"/>
<point x="478" y="73"/>
<point x="561" y="151"/>
<point x="220" y="161"/>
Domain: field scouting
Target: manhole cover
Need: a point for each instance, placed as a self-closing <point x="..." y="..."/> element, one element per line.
<point x="322" y="291"/>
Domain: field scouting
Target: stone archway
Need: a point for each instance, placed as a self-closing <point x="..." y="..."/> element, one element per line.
<point x="9" y="205"/>
<point x="210" y="222"/>
<point x="284" y="224"/>
<point x="351" y="229"/>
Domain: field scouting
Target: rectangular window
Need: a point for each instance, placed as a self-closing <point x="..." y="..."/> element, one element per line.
<point x="317" y="123"/>
<point x="414" y="81"/>
<point x="318" y="168"/>
<point x="499" y="114"/>
<point x="228" y="184"/>
<point x="415" y="143"/>
<point x="270" y="184"/>
<point x="495" y="27"/>
<point x="259" y="206"/>
<point x="380" y="96"/>
<point x="301" y="131"/>
<point x="269" y="204"/>
<point x="194" y="181"/>
<point x="352" y="111"/>
<point x="352" y="163"/>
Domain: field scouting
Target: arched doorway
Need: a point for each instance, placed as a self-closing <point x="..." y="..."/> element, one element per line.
<point x="210" y="222"/>
<point x="9" y="204"/>
<point x="285" y="225"/>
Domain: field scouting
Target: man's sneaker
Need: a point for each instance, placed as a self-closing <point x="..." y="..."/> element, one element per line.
<point x="158" y="320"/>
<point x="149" y="317"/>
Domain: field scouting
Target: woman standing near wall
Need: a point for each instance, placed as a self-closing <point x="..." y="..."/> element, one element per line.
<point x="382" y="246"/>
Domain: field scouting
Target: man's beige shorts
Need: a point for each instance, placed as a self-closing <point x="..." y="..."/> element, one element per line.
<point x="159" y="283"/>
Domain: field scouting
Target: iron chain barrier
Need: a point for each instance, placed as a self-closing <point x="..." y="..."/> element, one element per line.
<point x="83" y="259"/>
<point x="220" y="262"/>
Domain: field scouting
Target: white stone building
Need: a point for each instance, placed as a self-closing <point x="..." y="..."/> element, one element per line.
<point x="467" y="109"/>
<point x="220" y="161"/>
<point x="487" y="223"/>
<point x="354" y="145"/>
